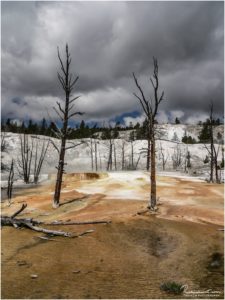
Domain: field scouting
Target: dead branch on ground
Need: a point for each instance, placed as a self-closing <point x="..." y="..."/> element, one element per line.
<point x="33" y="224"/>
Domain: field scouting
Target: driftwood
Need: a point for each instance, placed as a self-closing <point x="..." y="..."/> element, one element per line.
<point x="29" y="223"/>
<point x="33" y="224"/>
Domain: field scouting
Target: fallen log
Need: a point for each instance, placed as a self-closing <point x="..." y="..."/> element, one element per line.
<point x="32" y="224"/>
<point x="29" y="223"/>
<point x="9" y="221"/>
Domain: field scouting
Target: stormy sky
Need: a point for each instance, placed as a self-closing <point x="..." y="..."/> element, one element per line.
<point x="108" y="41"/>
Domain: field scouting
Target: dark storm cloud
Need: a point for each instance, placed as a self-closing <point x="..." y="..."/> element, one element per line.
<point x="108" y="41"/>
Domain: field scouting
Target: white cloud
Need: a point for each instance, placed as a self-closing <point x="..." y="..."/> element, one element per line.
<point x="162" y="117"/>
<point x="134" y="120"/>
<point x="196" y="117"/>
<point x="176" y="114"/>
<point x="108" y="41"/>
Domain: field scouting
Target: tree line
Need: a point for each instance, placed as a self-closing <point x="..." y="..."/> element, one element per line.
<point x="83" y="130"/>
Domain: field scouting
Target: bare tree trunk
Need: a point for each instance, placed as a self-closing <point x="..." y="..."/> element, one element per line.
<point x="109" y="165"/>
<point x="26" y="152"/>
<point x="10" y="183"/>
<point x="150" y="109"/>
<point x="216" y="163"/>
<point x="60" y="172"/>
<point x="96" y="158"/>
<point x="211" y="144"/>
<point x="153" y="173"/>
<point x="115" y="156"/>
<point x="163" y="157"/>
<point x="39" y="161"/>
<point x="136" y="165"/>
<point x="65" y="114"/>
<point x="132" y="155"/>
<point x="3" y="142"/>
<point x="148" y="150"/>
<point x="123" y="155"/>
<point x="92" y="162"/>
<point x="100" y="160"/>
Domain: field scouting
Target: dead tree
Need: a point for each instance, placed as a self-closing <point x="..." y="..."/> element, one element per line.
<point x="92" y="152"/>
<point x="34" y="224"/>
<point x="100" y="160"/>
<point x="92" y="160"/>
<point x="131" y="140"/>
<point x="39" y="158"/>
<point x="212" y="150"/>
<point x="188" y="160"/>
<point x="3" y="141"/>
<point x="132" y="155"/>
<point x="90" y="146"/>
<point x="26" y="156"/>
<point x="65" y="113"/>
<point x="109" y="137"/>
<point x="29" y="223"/>
<point x="96" y="156"/>
<point x="10" y="182"/>
<point x="211" y="143"/>
<point x="150" y="108"/>
<point x="114" y="150"/>
<point x="123" y="155"/>
<point x="30" y="157"/>
<point x="109" y="163"/>
<point x="176" y="157"/>
<point x="163" y="157"/>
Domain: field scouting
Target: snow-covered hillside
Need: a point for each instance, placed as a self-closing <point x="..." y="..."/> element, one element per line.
<point x="177" y="131"/>
<point x="79" y="159"/>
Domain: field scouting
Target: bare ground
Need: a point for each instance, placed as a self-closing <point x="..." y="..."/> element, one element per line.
<point x="128" y="258"/>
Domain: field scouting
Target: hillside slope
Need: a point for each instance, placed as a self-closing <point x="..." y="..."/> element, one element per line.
<point x="79" y="158"/>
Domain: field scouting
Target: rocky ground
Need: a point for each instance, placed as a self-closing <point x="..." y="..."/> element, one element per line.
<point x="128" y="258"/>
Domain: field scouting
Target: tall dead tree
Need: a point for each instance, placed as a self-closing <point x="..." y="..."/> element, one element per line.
<point x="150" y="108"/>
<point x="212" y="150"/>
<point x="211" y="143"/>
<point x="67" y="81"/>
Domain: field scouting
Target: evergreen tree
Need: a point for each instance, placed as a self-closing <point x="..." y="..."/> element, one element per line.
<point x="177" y="121"/>
<point x="132" y="136"/>
<point x="82" y="125"/>
<point x="205" y="132"/>
<point x="137" y="126"/>
<point x="43" y="126"/>
<point x="206" y="160"/>
<point x="188" y="139"/>
<point x="106" y="134"/>
<point x="115" y="133"/>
